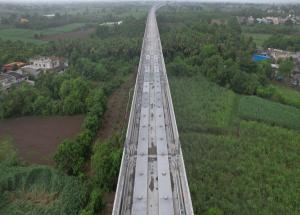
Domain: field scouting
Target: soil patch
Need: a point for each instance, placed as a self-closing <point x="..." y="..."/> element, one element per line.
<point x="36" y="138"/>
<point x="109" y="203"/>
<point x="78" y="34"/>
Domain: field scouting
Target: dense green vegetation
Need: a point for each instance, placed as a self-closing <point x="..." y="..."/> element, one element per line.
<point x="241" y="152"/>
<point x="285" y="42"/>
<point x="220" y="52"/>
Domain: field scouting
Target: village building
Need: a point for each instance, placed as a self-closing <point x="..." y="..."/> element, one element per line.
<point x="251" y="20"/>
<point x="49" y="15"/>
<point x="273" y="20"/>
<point x="111" y="23"/>
<point x="13" y="66"/>
<point x="23" y="21"/>
<point x="9" y="79"/>
<point x="278" y="54"/>
<point x="44" y="64"/>
<point x="6" y="81"/>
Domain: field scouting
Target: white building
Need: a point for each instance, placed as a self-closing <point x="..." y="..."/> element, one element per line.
<point x="45" y="63"/>
<point x="277" y="54"/>
<point x="111" y="23"/>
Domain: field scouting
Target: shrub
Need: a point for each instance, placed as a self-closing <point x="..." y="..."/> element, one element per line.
<point x="106" y="162"/>
<point x="69" y="157"/>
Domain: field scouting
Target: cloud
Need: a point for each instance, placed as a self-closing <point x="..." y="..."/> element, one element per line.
<point x="233" y="1"/>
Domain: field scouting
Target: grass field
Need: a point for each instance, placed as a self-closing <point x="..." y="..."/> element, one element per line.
<point x="259" y="39"/>
<point x="27" y="35"/>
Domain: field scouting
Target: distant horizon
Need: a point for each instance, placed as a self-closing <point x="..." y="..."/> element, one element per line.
<point x="200" y="1"/>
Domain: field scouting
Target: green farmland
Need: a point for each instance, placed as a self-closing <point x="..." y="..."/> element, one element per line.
<point x="27" y="35"/>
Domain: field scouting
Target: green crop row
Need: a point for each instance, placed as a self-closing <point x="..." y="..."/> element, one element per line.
<point x="281" y="94"/>
<point x="255" y="108"/>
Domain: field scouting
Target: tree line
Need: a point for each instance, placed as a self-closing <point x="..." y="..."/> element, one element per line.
<point x="220" y="52"/>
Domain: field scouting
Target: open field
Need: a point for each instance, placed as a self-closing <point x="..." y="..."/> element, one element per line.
<point x="27" y="35"/>
<point x="77" y="34"/>
<point x="36" y="138"/>
<point x="258" y="38"/>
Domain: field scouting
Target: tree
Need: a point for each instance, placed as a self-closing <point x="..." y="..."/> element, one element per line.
<point x="244" y="83"/>
<point x="42" y="105"/>
<point x="179" y="67"/>
<point x="73" y="94"/>
<point x="69" y="157"/>
<point x="285" y="67"/>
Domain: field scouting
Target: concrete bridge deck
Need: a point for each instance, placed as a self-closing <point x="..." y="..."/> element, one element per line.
<point x="152" y="178"/>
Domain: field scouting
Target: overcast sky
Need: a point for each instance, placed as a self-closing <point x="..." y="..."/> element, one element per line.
<point x="240" y="1"/>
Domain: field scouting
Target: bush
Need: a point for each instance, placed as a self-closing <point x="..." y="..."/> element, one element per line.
<point x="69" y="157"/>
